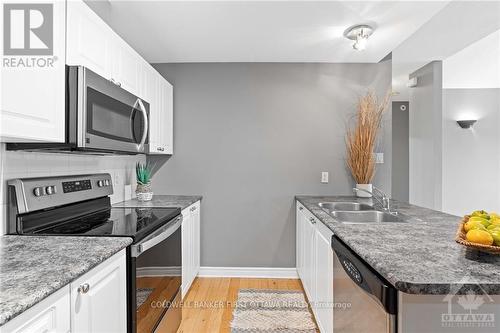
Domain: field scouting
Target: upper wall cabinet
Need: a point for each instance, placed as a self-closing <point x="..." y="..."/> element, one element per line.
<point x="33" y="97"/>
<point x="32" y="78"/>
<point x="93" y="44"/>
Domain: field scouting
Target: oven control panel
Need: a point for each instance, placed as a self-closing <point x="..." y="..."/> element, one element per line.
<point x="34" y="194"/>
<point x="76" y="185"/>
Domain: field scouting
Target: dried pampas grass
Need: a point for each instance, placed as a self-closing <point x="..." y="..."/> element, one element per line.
<point x="362" y="138"/>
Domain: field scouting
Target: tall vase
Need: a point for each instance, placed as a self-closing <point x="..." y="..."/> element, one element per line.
<point x="366" y="187"/>
<point x="144" y="192"/>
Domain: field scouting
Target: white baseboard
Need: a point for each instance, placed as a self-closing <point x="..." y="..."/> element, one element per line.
<point x="249" y="272"/>
<point x="158" y="271"/>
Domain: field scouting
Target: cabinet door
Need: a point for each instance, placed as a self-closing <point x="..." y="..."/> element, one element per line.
<point x="196" y="214"/>
<point x="309" y="258"/>
<point x="167" y="117"/>
<point x="32" y="103"/>
<point x="98" y="298"/>
<point x="324" y="279"/>
<point x="89" y="41"/>
<point x="299" y="230"/>
<point x="126" y="65"/>
<point x="187" y="264"/>
<point x="51" y="315"/>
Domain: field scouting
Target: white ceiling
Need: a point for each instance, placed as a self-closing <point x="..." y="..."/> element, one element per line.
<point x="263" y="31"/>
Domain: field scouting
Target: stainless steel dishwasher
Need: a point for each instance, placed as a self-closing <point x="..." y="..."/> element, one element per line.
<point x="363" y="301"/>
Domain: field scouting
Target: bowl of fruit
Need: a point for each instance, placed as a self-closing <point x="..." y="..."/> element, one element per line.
<point x="480" y="231"/>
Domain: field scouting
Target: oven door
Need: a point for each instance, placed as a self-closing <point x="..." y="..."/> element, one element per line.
<point x="155" y="280"/>
<point x="109" y="117"/>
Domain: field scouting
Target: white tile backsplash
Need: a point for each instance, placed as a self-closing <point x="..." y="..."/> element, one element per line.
<point x="16" y="164"/>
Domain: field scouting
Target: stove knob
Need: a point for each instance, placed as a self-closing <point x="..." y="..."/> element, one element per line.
<point x="106" y="182"/>
<point x="37" y="191"/>
<point x="49" y="190"/>
<point x="100" y="183"/>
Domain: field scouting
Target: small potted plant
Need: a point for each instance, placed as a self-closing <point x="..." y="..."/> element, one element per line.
<point x="361" y="140"/>
<point x="144" y="172"/>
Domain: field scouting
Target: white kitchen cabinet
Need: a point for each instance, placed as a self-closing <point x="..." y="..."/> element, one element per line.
<point x="190" y="245"/>
<point x="33" y="97"/>
<point x="89" y="41"/>
<point x="324" y="278"/>
<point x="315" y="265"/>
<point x="161" y="116"/>
<point x="52" y="315"/>
<point x="93" y="44"/>
<point x="99" y="298"/>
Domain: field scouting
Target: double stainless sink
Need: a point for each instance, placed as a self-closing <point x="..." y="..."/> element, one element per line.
<point x="354" y="212"/>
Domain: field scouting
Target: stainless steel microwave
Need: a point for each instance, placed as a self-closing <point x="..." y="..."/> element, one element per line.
<point x="101" y="117"/>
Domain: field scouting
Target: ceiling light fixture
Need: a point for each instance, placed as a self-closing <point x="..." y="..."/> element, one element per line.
<point x="359" y="33"/>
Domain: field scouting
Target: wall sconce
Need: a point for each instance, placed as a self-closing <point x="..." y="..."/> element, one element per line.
<point x="466" y="123"/>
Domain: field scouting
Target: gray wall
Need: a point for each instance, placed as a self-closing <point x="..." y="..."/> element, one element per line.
<point x="400" y="151"/>
<point x="426" y="137"/>
<point x="249" y="137"/>
<point x="471" y="157"/>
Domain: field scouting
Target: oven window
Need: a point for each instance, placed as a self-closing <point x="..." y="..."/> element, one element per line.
<point x="112" y="119"/>
<point x="156" y="293"/>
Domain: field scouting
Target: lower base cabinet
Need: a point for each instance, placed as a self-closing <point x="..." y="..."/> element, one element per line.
<point x="99" y="298"/>
<point x="94" y="303"/>
<point x="52" y="315"/>
<point x="315" y="265"/>
<point x="190" y="245"/>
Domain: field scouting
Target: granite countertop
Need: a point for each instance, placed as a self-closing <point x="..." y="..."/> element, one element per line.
<point x="162" y="201"/>
<point x="32" y="267"/>
<point x="418" y="257"/>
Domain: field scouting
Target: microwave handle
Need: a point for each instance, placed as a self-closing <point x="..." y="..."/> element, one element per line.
<point x="139" y="104"/>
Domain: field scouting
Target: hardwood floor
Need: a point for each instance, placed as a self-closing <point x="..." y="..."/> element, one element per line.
<point x="209" y="303"/>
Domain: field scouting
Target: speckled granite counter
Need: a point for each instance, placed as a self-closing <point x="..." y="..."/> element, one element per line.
<point x="182" y="201"/>
<point x="419" y="257"/>
<point x="32" y="268"/>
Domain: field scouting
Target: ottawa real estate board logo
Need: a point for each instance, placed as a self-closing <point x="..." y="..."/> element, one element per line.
<point x="28" y="35"/>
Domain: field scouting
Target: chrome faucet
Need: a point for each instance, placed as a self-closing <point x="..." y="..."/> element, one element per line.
<point x="384" y="200"/>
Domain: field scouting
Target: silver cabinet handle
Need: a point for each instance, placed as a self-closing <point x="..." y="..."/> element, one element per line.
<point x="312" y="220"/>
<point x="84" y="288"/>
<point x="301" y="208"/>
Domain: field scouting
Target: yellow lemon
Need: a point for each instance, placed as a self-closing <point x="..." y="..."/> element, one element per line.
<point x="496" y="236"/>
<point x="471" y="225"/>
<point x="493" y="227"/>
<point x="494" y="215"/>
<point x="481" y="213"/>
<point x="477" y="219"/>
<point x="495" y="220"/>
<point x="479" y="236"/>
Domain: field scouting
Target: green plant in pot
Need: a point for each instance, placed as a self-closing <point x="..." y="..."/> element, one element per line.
<point x="144" y="172"/>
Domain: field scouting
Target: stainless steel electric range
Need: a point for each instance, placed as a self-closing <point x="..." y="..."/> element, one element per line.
<point x="80" y="206"/>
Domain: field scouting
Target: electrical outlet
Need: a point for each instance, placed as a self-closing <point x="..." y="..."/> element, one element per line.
<point x="117" y="179"/>
<point x="379" y="158"/>
<point x="324" y="177"/>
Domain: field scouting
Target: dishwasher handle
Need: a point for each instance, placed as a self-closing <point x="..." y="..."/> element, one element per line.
<point x="365" y="277"/>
